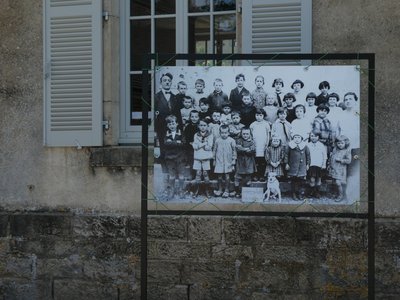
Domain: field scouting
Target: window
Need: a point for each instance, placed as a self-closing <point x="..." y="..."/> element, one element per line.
<point x="154" y="26"/>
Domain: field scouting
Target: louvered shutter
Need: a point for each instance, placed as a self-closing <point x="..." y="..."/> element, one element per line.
<point x="73" y="72"/>
<point x="276" y="26"/>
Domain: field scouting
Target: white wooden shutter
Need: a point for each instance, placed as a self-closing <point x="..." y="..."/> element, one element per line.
<point x="73" y="72"/>
<point x="276" y="26"/>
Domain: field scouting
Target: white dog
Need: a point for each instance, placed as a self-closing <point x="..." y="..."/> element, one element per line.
<point x="273" y="189"/>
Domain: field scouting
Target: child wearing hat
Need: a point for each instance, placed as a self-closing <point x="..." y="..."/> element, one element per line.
<point x="297" y="158"/>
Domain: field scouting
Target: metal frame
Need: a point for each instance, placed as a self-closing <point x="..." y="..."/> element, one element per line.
<point x="369" y="216"/>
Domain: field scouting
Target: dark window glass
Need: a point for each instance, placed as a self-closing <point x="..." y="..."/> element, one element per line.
<point x="164" y="7"/>
<point x="140" y="42"/>
<point x="199" y="5"/>
<point x="199" y="38"/>
<point x="136" y="99"/>
<point x="165" y="39"/>
<point x="221" y="5"/>
<point x="140" y="7"/>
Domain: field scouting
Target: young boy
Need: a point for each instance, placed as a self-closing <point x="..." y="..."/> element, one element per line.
<point x="297" y="87"/>
<point x="217" y="98"/>
<point x="226" y="116"/>
<point x="318" y="158"/>
<point x="236" y="94"/>
<point x="215" y="123"/>
<point x="188" y="133"/>
<point x="182" y="89"/>
<point x="322" y="126"/>
<point x="187" y="108"/>
<point x="260" y="130"/>
<point x="199" y="85"/>
<point x="202" y="145"/>
<point x="174" y="145"/>
<point x="236" y="127"/>
<point x="205" y="112"/>
<point x="247" y="109"/>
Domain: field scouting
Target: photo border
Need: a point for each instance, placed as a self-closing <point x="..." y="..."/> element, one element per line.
<point x="146" y="100"/>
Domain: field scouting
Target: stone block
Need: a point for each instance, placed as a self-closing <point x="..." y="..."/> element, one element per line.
<point x="16" y="288"/>
<point x="387" y="268"/>
<point x="99" y="226"/>
<point x="208" y="273"/>
<point x="167" y="228"/>
<point x="172" y="291"/>
<point x="205" y="229"/>
<point x="255" y="230"/>
<point x="134" y="227"/>
<point x="69" y="267"/>
<point x="232" y="252"/>
<point x="80" y="289"/>
<point x="387" y="234"/>
<point x="118" y="270"/>
<point x="328" y="233"/>
<point x="164" y="272"/>
<point x="33" y="225"/>
<point x="178" y="250"/>
<point x="19" y="267"/>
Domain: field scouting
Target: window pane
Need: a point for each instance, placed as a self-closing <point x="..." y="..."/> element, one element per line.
<point x="165" y="39"/>
<point x="225" y="35"/>
<point x="199" y="37"/>
<point x="220" y="5"/>
<point x="140" y="42"/>
<point x="136" y="99"/>
<point x="199" y="5"/>
<point x="165" y="7"/>
<point x="140" y="7"/>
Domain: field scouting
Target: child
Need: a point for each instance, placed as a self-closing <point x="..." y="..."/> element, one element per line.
<point x="187" y="108"/>
<point x="199" y="85"/>
<point x="335" y="112"/>
<point x="322" y="125"/>
<point x="224" y="159"/>
<point x="188" y="133"/>
<point x="236" y="94"/>
<point x="245" y="165"/>
<point x="271" y="108"/>
<point x="297" y="87"/>
<point x="282" y="127"/>
<point x="205" y="112"/>
<point x="322" y="98"/>
<point x="318" y="158"/>
<point x="311" y="108"/>
<point x="182" y="89"/>
<point x="226" y="116"/>
<point x="217" y="98"/>
<point x="259" y="95"/>
<point x="288" y="100"/>
<point x="338" y="162"/>
<point x="301" y="124"/>
<point x="202" y="145"/>
<point x="174" y="156"/>
<point x="260" y="129"/>
<point x="215" y="123"/>
<point x="236" y="127"/>
<point x="278" y="85"/>
<point x="247" y="110"/>
<point x="297" y="158"/>
<point x="275" y="157"/>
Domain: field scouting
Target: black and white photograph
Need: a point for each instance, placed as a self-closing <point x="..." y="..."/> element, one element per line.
<point x="268" y="134"/>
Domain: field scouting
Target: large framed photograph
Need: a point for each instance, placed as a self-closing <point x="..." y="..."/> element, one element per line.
<point x="267" y="135"/>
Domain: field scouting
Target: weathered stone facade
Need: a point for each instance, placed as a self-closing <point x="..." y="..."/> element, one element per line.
<point x="69" y="224"/>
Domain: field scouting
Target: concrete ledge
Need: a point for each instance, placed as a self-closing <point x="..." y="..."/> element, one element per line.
<point x="124" y="156"/>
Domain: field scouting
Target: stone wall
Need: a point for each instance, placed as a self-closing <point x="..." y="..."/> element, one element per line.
<point x="71" y="255"/>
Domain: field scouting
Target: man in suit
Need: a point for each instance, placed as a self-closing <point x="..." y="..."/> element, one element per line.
<point x="165" y="104"/>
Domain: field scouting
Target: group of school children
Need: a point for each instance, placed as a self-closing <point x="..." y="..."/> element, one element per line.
<point x="301" y="137"/>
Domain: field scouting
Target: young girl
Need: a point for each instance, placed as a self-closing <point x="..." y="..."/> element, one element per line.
<point x="301" y="124"/>
<point x="311" y="108"/>
<point x="202" y="146"/>
<point x="271" y="108"/>
<point x="224" y="159"/>
<point x="339" y="160"/>
<point x="226" y="116"/>
<point x="260" y="129"/>
<point x="236" y="127"/>
<point x="289" y="99"/>
<point x="323" y="126"/>
<point x="274" y="157"/>
<point x="318" y="158"/>
<point x="245" y="165"/>
<point x="259" y="95"/>
<point x="297" y="163"/>
<point x="278" y="85"/>
<point x="247" y="110"/>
